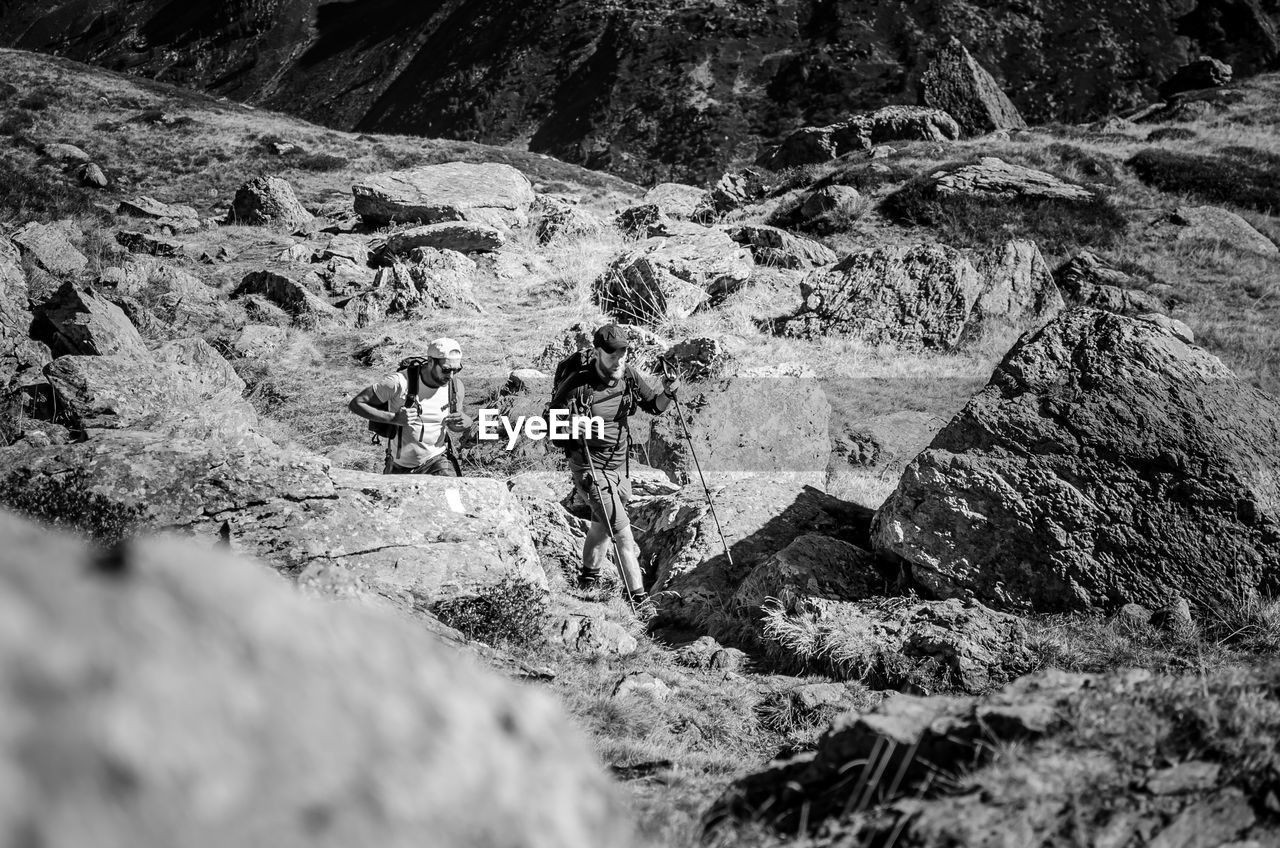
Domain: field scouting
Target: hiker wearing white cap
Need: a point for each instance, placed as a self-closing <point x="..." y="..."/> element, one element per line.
<point x="418" y="409"/>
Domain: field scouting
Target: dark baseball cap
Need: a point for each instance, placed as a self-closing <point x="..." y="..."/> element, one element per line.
<point x="611" y="338"/>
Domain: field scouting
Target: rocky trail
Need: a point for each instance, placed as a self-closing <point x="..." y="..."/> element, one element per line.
<point x="987" y="412"/>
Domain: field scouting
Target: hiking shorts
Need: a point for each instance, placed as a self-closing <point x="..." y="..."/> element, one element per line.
<point x="614" y="488"/>
<point x="438" y="466"/>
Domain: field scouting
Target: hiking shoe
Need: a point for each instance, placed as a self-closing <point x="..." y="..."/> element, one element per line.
<point x="641" y="604"/>
<point x="588" y="581"/>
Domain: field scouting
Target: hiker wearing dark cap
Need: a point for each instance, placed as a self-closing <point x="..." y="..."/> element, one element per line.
<point x="418" y="409"/>
<point x="605" y="384"/>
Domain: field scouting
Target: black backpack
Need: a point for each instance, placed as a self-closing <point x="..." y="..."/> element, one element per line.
<point x="585" y="396"/>
<point x="411" y="365"/>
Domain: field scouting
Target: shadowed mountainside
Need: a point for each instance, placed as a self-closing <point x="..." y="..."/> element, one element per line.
<point x="647" y="90"/>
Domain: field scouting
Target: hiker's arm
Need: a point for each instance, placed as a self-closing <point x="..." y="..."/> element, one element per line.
<point x="652" y="401"/>
<point x="361" y="405"/>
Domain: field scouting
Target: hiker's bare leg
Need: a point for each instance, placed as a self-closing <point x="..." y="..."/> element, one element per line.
<point x="630" y="552"/>
<point x="595" y="549"/>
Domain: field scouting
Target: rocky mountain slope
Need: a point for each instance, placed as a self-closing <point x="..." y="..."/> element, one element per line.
<point x="988" y="423"/>
<point x="652" y="90"/>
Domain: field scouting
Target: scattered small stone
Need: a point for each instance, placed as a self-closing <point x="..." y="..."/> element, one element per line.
<point x="1194" y="776"/>
<point x="92" y="176"/>
<point x="642" y="684"/>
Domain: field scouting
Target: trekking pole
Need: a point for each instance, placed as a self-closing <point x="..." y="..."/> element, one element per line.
<point x="697" y="466"/>
<point x="608" y="523"/>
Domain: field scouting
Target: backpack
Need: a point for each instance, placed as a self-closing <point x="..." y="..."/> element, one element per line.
<point x="411" y="365"/>
<point x="585" y="396"/>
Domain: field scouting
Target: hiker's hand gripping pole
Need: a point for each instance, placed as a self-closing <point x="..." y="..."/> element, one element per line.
<point x="666" y="373"/>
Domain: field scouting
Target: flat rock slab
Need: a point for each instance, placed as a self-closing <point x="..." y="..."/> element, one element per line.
<point x="494" y="194"/>
<point x="428" y="538"/>
<point x="52" y="246"/>
<point x="169" y="659"/>
<point x="1209" y="223"/>
<point x="461" y="236"/>
<point x="1106" y="462"/>
<point x="777" y="248"/>
<point x="992" y="177"/>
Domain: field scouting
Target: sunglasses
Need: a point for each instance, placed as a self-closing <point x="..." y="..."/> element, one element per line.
<point x="446" y="369"/>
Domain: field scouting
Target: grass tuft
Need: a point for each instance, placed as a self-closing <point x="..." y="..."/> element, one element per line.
<point x="1243" y="176"/>
<point x="512" y="614"/>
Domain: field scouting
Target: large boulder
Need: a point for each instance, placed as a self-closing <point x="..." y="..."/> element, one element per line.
<point x="270" y="202"/>
<point x="411" y="539"/>
<point x="911" y="297"/>
<point x="810" y="145"/>
<point x="432" y="279"/>
<point x="52" y="247"/>
<point x="745" y="425"/>
<point x="1220" y="226"/>
<point x="165" y="694"/>
<point x="558" y="218"/>
<point x="185" y="385"/>
<point x="812" y="566"/>
<point x="1106" y="462"/>
<point x="774" y="247"/>
<point x="292" y="295"/>
<point x="489" y="193"/>
<point x="79" y="321"/>
<point x="733" y="191"/>
<point x="955" y="83"/>
<point x="668" y="278"/>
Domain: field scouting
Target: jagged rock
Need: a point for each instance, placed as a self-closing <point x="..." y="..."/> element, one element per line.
<point x="493" y="194"/>
<point x="1209" y="223"/>
<point x="185" y="385"/>
<point x="760" y="515"/>
<point x="1100" y="443"/>
<point x="1132" y="618"/>
<point x="778" y="248"/>
<point x="460" y="236"/>
<point x="898" y="643"/>
<point x="305" y="307"/>
<point x="992" y="177"/>
<point x="120" y="658"/>
<point x="733" y="191"/>
<point x="744" y="425"/>
<point x="269" y="202"/>
<point x="79" y="321"/>
<point x="150" y="245"/>
<point x="1089" y="281"/>
<point x="810" y="145"/>
<point x="443" y="277"/>
<point x="955" y="83"/>
<point x="21" y="357"/>
<point x="664" y="278"/>
<point x="51" y="246"/>
<point x="706" y="652"/>
<point x="644" y="221"/>
<point x="92" y="176"/>
<point x="697" y="359"/>
<point x="558" y="218"/>
<point x="675" y="200"/>
<point x="911" y="297"/>
<point x="1205" y="72"/>
<point x="297" y="253"/>
<point x="812" y="566"/>
<point x="1018" y="291"/>
<point x="179" y="218"/>
<point x="66" y="153"/>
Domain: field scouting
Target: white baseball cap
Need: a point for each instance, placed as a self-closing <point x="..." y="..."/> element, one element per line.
<point x="445" y="348"/>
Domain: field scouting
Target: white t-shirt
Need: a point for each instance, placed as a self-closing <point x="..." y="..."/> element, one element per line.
<point x="425" y="440"/>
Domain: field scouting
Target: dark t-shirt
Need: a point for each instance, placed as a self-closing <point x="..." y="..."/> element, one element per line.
<point x="611" y="403"/>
